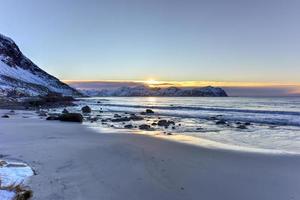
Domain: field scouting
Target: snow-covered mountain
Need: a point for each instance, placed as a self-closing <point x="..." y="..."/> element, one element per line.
<point x="143" y="91"/>
<point x="19" y="76"/>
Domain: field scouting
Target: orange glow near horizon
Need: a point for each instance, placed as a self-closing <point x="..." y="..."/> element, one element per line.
<point x="156" y="83"/>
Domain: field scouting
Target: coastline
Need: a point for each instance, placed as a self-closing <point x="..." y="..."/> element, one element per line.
<point x="75" y="162"/>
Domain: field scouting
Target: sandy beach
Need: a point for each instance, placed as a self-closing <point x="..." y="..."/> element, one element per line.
<point x="75" y="162"/>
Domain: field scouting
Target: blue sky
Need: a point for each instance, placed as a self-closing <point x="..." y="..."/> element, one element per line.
<point x="169" y="40"/>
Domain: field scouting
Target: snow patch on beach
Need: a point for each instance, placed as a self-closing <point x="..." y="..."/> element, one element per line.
<point x="12" y="174"/>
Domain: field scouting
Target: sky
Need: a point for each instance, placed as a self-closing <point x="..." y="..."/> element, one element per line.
<point x="234" y="41"/>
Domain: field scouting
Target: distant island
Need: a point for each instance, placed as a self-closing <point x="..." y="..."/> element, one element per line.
<point x="145" y="91"/>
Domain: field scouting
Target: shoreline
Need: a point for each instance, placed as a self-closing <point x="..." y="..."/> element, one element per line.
<point x="75" y="162"/>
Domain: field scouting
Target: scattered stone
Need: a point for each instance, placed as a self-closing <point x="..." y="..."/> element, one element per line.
<point x="2" y="163"/>
<point x="129" y="126"/>
<point x="165" y="123"/>
<point x="242" y="126"/>
<point x="117" y="116"/>
<point x="133" y="117"/>
<point x="149" y="111"/>
<point x="145" y="127"/>
<point x="5" y="116"/>
<point x="86" y="109"/>
<point x="71" y="117"/>
<point x="220" y="122"/>
<point x="65" y="111"/>
<point x="154" y="124"/>
<point x="121" y="119"/>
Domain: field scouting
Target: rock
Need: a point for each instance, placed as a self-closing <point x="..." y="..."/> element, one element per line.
<point x="129" y="126"/>
<point x="154" y="124"/>
<point x="86" y="109"/>
<point x="121" y="119"/>
<point x="117" y="116"/>
<point x="242" y="126"/>
<point x="220" y="122"/>
<point x="52" y="118"/>
<point x="169" y="134"/>
<point x="149" y="111"/>
<point x="165" y="123"/>
<point x="145" y="127"/>
<point x="133" y="117"/>
<point x="71" y="117"/>
<point x="247" y="123"/>
<point x="2" y="163"/>
<point x="65" y="111"/>
<point x="5" y="116"/>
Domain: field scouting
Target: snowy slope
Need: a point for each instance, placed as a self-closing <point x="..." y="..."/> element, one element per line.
<point x="20" y="76"/>
<point x="162" y="92"/>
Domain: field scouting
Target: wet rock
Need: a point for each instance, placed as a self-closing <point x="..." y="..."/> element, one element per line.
<point x="129" y="126"/>
<point x="3" y="163"/>
<point x="52" y="118"/>
<point x="247" y="123"/>
<point x="242" y="126"/>
<point x="221" y="122"/>
<point x="145" y="127"/>
<point x="199" y="129"/>
<point x="5" y="116"/>
<point x="213" y="118"/>
<point x="121" y="119"/>
<point x="165" y="123"/>
<point x="71" y="117"/>
<point x="86" y="109"/>
<point x="117" y="116"/>
<point x="149" y="111"/>
<point x="65" y="111"/>
<point x="154" y="124"/>
<point x="136" y="118"/>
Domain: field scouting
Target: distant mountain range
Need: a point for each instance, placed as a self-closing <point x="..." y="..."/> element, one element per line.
<point x="19" y="76"/>
<point x="144" y="91"/>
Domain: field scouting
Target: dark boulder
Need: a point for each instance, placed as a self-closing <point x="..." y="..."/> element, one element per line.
<point x="149" y="111"/>
<point x="221" y="122"/>
<point x="121" y="119"/>
<point x="86" y="109"/>
<point x="5" y="116"/>
<point x="65" y="111"/>
<point x="242" y="126"/>
<point x="136" y="118"/>
<point x="165" y="123"/>
<point x="129" y="126"/>
<point x="71" y="117"/>
<point x="145" y="127"/>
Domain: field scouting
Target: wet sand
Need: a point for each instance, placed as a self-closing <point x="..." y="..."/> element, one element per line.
<point x="75" y="162"/>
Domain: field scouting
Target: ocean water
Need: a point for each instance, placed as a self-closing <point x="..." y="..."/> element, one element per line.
<point x="271" y="123"/>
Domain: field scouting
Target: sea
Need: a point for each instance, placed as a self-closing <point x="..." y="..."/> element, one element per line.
<point x="257" y="123"/>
